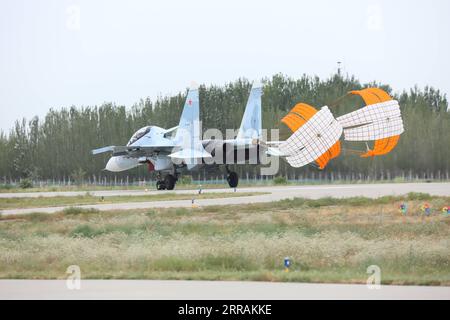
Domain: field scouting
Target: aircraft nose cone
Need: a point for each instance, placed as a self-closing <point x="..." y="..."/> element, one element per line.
<point x="117" y="164"/>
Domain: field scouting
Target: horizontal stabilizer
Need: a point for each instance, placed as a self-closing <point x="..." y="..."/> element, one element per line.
<point x="170" y="130"/>
<point x="276" y="152"/>
<point x="270" y="143"/>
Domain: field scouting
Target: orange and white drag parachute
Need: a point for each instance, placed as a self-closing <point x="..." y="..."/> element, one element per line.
<point x="380" y="121"/>
<point x="316" y="134"/>
<point x="315" y="138"/>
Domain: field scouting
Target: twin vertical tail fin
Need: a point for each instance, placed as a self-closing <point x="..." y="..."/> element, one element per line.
<point x="187" y="137"/>
<point x="189" y="121"/>
<point x="251" y="126"/>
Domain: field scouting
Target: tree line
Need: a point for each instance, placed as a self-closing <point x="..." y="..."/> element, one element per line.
<point x="58" y="145"/>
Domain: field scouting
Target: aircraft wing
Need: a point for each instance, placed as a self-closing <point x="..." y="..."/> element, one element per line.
<point x="134" y="151"/>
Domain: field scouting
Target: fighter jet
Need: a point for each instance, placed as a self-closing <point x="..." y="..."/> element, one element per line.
<point x="168" y="154"/>
<point x="315" y="138"/>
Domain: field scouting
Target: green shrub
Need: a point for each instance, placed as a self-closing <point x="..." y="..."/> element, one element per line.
<point x="419" y="196"/>
<point x="185" y="180"/>
<point x="78" y="176"/>
<point x="26" y="183"/>
<point x="280" y="180"/>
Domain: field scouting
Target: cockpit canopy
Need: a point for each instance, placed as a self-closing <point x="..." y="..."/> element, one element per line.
<point x="139" y="134"/>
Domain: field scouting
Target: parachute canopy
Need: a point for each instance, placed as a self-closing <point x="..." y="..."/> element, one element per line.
<point x="315" y="138"/>
<point x="316" y="134"/>
<point x="376" y="121"/>
<point x="298" y="116"/>
<point x="379" y="120"/>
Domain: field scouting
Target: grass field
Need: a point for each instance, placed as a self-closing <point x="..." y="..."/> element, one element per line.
<point x="7" y="188"/>
<point x="87" y="188"/>
<point x="328" y="240"/>
<point x="37" y="202"/>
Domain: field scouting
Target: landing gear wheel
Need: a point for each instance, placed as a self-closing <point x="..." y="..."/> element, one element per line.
<point x="160" y="185"/>
<point x="170" y="181"/>
<point x="232" y="179"/>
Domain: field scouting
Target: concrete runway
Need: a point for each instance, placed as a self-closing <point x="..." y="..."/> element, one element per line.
<point x="210" y="290"/>
<point x="276" y="193"/>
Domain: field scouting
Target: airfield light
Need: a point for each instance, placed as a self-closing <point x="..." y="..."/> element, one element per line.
<point x="426" y="208"/>
<point x="403" y="208"/>
<point x="287" y="264"/>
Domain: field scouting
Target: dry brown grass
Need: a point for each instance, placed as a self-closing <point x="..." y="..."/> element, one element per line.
<point x="327" y="243"/>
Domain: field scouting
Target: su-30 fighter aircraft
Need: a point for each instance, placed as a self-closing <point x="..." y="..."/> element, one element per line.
<point x="315" y="138"/>
<point x="169" y="155"/>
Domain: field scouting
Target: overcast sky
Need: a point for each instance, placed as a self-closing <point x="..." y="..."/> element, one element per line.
<point x="62" y="53"/>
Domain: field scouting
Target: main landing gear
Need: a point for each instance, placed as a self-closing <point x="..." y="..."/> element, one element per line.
<point x="168" y="182"/>
<point x="232" y="178"/>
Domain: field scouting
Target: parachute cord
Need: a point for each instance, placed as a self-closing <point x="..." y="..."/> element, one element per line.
<point x="336" y="102"/>
<point x="353" y="151"/>
<point x="314" y="165"/>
